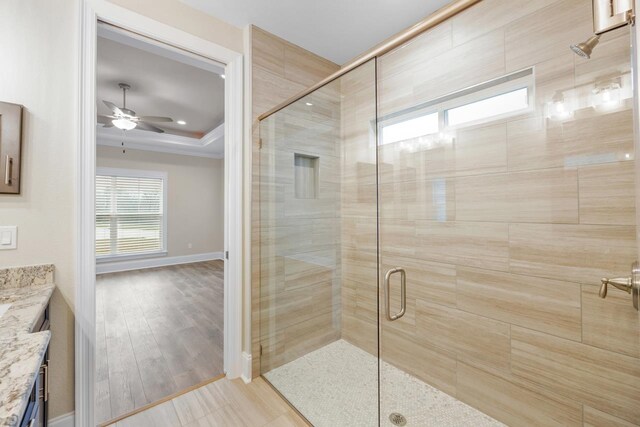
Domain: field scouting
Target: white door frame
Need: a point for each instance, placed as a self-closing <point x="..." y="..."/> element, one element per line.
<point x="85" y="311"/>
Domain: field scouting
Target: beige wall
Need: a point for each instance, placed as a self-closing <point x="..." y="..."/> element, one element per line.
<point x="185" y="18"/>
<point x="279" y="70"/>
<point x="40" y="57"/>
<point x="40" y="71"/>
<point x="195" y="196"/>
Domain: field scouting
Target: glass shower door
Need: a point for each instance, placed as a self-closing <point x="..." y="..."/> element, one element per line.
<point x="318" y="252"/>
<point x="506" y="191"/>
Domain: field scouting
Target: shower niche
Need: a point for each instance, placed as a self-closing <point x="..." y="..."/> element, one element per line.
<point x="306" y="176"/>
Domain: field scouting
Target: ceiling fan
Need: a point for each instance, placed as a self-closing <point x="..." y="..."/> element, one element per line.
<point x="126" y="119"/>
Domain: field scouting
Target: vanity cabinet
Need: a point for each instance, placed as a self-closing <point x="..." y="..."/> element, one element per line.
<point x="37" y="409"/>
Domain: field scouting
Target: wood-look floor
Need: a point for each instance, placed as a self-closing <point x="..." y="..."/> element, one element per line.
<point x="159" y="331"/>
<point x="220" y="403"/>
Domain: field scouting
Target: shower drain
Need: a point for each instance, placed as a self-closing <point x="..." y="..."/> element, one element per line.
<point x="397" y="419"/>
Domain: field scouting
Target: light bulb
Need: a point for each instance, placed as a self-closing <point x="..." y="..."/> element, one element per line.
<point x="124" y="124"/>
<point x="558" y="109"/>
<point x="606" y="95"/>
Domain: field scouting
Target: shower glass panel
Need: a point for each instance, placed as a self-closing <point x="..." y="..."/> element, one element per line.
<point x="318" y="252"/>
<point x="502" y="217"/>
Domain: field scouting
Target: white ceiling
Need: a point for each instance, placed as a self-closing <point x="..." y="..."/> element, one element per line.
<point x="338" y="30"/>
<point x="164" y="82"/>
<point x="160" y="86"/>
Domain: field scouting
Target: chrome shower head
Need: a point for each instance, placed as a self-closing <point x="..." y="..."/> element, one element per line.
<point x="585" y="49"/>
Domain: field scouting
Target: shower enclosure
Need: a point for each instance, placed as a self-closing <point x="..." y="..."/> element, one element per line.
<point x="435" y="224"/>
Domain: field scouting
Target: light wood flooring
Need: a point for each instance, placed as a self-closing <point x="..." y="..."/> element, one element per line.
<point x="225" y="403"/>
<point x="159" y="331"/>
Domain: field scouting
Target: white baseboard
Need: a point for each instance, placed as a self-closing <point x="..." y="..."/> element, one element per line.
<point x="246" y="367"/>
<point x="111" y="267"/>
<point x="66" y="420"/>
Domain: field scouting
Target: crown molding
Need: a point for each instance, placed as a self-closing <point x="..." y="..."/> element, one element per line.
<point x="165" y="142"/>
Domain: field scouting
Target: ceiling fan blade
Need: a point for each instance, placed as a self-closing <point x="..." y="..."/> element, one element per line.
<point x="155" y="119"/>
<point x="128" y="112"/>
<point x="106" y="121"/>
<point x="149" y="127"/>
<point x="113" y="107"/>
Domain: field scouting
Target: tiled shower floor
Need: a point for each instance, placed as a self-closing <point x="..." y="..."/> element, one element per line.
<point x="336" y="385"/>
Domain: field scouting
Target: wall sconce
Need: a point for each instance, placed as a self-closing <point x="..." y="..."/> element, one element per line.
<point x="606" y="95"/>
<point x="559" y="108"/>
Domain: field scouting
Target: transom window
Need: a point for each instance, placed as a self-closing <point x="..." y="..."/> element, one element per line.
<point x="438" y="119"/>
<point x="130" y="212"/>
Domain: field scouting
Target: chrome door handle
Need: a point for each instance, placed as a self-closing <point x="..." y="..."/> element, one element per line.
<point x="403" y="293"/>
<point x="630" y="285"/>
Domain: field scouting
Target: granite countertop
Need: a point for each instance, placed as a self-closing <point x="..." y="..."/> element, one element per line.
<point x="20" y="360"/>
<point x="28" y="290"/>
<point x="27" y="304"/>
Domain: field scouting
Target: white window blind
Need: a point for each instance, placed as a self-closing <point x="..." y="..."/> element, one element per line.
<point x="130" y="218"/>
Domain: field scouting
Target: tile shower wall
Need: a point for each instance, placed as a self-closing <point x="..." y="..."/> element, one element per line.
<point x="301" y="276"/>
<point x="300" y="229"/>
<point x="506" y="231"/>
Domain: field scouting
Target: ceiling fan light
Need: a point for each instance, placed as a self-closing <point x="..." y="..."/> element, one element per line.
<point x="124" y="124"/>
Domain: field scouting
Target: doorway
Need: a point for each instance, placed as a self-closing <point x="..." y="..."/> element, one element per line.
<point x="226" y="267"/>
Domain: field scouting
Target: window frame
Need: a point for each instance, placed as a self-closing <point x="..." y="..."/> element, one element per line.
<point x="511" y="82"/>
<point x="139" y="173"/>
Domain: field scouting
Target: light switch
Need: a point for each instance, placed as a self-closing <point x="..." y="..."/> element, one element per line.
<point x="8" y="237"/>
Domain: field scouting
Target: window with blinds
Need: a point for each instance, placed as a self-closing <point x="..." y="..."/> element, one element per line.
<point x="130" y="212"/>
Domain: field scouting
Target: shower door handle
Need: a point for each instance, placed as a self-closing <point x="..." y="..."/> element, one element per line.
<point x="403" y="293"/>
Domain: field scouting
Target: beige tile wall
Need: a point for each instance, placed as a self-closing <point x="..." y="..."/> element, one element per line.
<point x="359" y="208"/>
<point x="300" y="277"/>
<point x="279" y="70"/>
<point x="506" y="232"/>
